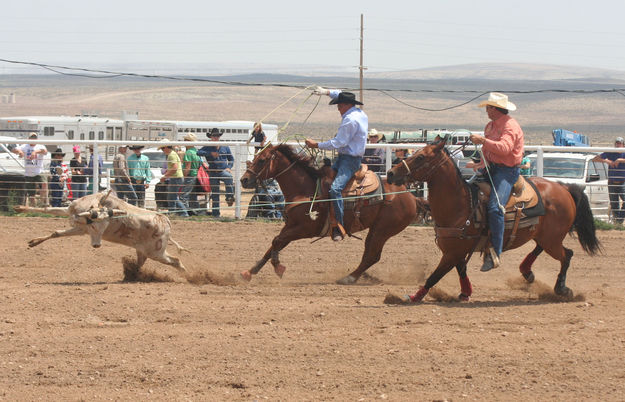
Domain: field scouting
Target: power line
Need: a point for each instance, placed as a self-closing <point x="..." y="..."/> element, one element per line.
<point x="385" y="91"/>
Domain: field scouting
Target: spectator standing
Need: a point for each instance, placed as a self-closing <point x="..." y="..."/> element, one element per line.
<point x="220" y="161"/>
<point x="258" y="135"/>
<point x="190" y="165"/>
<point x="375" y="158"/>
<point x="57" y="178"/>
<point x="123" y="186"/>
<point x="400" y="155"/>
<point x="33" y="169"/>
<point x="77" y="166"/>
<point x="89" y="169"/>
<point x="174" y="178"/>
<point x="526" y="166"/>
<point x="616" y="179"/>
<point x="140" y="173"/>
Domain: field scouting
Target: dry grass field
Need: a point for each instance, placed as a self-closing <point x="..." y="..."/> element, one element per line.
<point x="599" y="115"/>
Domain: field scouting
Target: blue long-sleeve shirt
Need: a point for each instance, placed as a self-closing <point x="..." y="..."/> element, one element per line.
<point x="351" y="137"/>
<point x="224" y="160"/>
<point x="89" y="168"/>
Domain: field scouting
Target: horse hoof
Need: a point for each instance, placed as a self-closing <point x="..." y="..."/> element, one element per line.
<point x="348" y="280"/>
<point x="246" y="275"/>
<point x="463" y="298"/>
<point x="529" y="277"/>
<point x="279" y="270"/>
<point x="418" y="297"/>
<point x="565" y="292"/>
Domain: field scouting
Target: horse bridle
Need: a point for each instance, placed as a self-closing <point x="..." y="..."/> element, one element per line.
<point x="273" y="157"/>
<point x="425" y="165"/>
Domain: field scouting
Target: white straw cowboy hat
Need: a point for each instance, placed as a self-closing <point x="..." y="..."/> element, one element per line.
<point x="498" y="100"/>
<point x="190" y="137"/>
<point x="165" y="145"/>
<point x="374" y="133"/>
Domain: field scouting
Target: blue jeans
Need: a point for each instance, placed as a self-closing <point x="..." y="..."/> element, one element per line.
<point x="503" y="178"/>
<point x="188" y="196"/>
<point x="139" y="188"/>
<point x="174" y="187"/>
<point x="56" y="193"/>
<point x="616" y="192"/>
<point x="125" y="190"/>
<point x="345" y="166"/>
<point x="215" y="177"/>
<point x="79" y="190"/>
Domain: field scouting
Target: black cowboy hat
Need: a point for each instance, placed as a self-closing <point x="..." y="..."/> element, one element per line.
<point x="214" y="133"/>
<point x="57" y="151"/>
<point x="345" y="97"/>
<point x="133" y="147"/>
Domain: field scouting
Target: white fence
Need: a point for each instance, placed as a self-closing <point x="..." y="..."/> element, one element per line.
<point x="596" y="186"/>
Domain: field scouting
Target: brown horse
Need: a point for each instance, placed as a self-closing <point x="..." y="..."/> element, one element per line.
<point x="566" y="208"/>
<point x="298" y="179"/>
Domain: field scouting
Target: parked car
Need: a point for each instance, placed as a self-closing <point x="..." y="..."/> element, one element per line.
<point x="579" y="168"/>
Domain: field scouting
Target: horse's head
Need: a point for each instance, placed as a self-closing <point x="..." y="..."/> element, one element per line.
<point x="418" y="167"/>
<point x="263" y="167"/>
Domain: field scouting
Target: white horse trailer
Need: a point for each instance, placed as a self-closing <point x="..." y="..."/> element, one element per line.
<point x="63" y="128"/>
<point x="101" y="128"/>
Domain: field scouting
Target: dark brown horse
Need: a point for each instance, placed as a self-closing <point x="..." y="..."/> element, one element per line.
<point x="298" y="179"/>
<point x="566" y="208"/>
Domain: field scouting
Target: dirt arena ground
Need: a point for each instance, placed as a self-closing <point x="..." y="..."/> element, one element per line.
<point x="71" y="329"/>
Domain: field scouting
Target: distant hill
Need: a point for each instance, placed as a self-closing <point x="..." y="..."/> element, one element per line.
<point x="506" y="71"/>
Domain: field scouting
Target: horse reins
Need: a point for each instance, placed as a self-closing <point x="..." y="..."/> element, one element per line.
<point x="273" y="157"/>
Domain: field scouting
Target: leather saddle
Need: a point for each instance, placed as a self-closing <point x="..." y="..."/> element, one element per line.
<point x="363" y="182"/>
<point x="363" y="189"/>
<point x="523" y="194"/>
<point x="525" y="200"/>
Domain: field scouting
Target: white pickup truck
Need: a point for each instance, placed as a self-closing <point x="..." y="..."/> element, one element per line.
<point x="579" y="168"/>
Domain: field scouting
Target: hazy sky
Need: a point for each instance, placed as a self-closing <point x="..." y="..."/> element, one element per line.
<point x="399" y="35"/>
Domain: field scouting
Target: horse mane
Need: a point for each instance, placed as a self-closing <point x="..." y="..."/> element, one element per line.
<point x="302" y="160"/>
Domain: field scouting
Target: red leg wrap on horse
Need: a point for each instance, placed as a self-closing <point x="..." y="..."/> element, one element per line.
<point x="417" y="297"/>
<point x="465" y="286"/>
<point x="526" y="265"/>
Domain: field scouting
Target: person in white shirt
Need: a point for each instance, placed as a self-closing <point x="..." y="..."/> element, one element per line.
<point x="33" y="170"/>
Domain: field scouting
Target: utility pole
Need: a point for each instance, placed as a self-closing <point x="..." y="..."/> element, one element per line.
<point x="361" y="67"/>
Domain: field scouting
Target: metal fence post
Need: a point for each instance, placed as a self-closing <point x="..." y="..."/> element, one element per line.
<point x="539" y="162"/>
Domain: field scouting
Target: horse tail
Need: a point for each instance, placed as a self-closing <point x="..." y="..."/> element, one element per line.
<point x="584" y="223"/>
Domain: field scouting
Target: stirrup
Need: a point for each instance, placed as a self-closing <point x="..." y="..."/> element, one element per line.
<point x="338" y="232"/>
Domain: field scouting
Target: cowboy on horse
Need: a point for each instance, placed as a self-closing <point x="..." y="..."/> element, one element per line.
<point x="502" y="148"/>
<point x="350" y="142"/>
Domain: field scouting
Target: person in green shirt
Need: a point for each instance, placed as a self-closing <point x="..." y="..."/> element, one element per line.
<point x="140" y="173"/>
<point x="526" y="166"/>
<point x="190" y="165"/>
<point x="175" y="181"/>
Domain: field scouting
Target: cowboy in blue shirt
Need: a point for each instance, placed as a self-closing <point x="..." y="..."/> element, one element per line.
<point x="220" y="161"/>
<point x="350" y="141"/>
